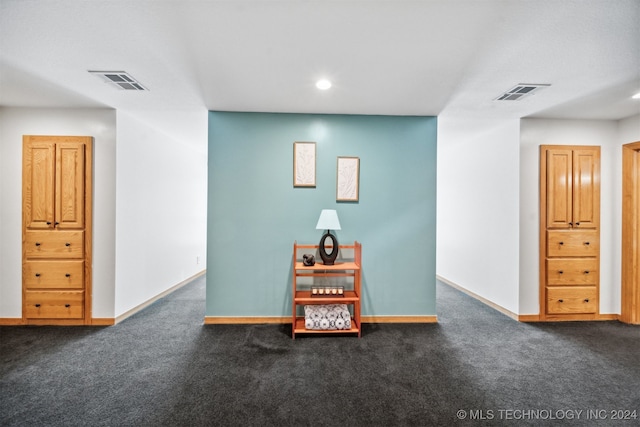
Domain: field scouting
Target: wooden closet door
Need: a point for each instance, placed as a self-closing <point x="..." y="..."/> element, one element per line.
<point x="586" y="188"/>
<point x="38" y="180"/>
<point x="559" y="188"/>
<point x="69" y="185"/>
<point x="630" y="292"/>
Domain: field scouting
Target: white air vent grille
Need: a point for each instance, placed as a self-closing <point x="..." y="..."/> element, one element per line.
<point x="119" y="79"/>
<point x="520" y="91"/>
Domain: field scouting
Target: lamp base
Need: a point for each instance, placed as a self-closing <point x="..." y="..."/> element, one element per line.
<point x="328" y="259"/>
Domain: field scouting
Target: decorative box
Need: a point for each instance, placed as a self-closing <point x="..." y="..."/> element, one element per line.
<point x="327" y="291"/>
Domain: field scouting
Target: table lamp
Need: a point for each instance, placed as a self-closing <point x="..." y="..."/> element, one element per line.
<point x="328" y="221"/>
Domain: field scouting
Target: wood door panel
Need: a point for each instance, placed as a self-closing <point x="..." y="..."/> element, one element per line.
<point x="38" y="185"/>
<point x="70" y="185"/>
<point x="586" y="193"/>
<point x="559" y="185"/>
<point x="630" y="290"/>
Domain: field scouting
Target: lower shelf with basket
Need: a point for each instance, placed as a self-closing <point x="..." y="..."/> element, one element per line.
<point x="299" y="328"/>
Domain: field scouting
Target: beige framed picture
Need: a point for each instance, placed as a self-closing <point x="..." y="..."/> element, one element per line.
<point x="304" y="164"/>
<point x="348" y="179"/>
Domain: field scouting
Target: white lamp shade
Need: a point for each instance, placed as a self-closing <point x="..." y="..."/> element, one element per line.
<point x="328" y="220"/>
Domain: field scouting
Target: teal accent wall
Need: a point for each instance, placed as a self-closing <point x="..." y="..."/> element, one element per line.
<point x="255" y="213"/>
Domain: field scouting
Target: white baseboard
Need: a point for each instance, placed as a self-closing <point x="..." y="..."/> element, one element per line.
<point x="485" y="301"/>
<point x="146" y="304"/>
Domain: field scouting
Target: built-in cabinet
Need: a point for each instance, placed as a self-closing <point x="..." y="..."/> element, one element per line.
<point x="56" y="229"/>
<point x="569" y="232"/>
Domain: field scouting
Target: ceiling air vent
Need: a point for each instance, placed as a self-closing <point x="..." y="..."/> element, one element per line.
<point x="520" y="91"/>
<point x="119" y="79"/>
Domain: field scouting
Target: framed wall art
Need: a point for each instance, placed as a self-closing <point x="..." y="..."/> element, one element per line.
<point x="304" y="164"/>
<point x="348" y="179"/>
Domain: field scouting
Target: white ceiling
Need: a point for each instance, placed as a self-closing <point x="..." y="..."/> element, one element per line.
<point x="429" y="57"/>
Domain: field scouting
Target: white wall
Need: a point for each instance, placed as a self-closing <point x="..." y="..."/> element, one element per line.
<point x="149" y="203"/>
<point x="477" y="237"/>
<point x="16" y="122"/>
<point x="536" y="132"/>
<point x="488" y="204"/>
<point x="629" y="130"/>
<point x="161" y="204"/>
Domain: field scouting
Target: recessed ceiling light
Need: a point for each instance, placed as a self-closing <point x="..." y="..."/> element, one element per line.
<point x="323" y="84"/>
<point x="636" y="96"/>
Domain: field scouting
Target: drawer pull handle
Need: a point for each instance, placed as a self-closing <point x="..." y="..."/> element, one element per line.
<point x="37" y="274"/>
<point x="586" y="300"/>
<point x="37" y="305"/>
<point x="577" y="224"/>
<point x="67" y="275"/>
<point x="67" y="305"/>
<point x="561" y="243"/>
<point x="560" y="272"/>
<point x="560" y="300"/>
<point x="69" y="244"/>
<point x="586" y="243"/>
<point x="570" y="224"/>
<point x="56" y="223"/>
<point x="586" y="272"/>
<point x="48" y="222"/>
<point x="37" y="243"/>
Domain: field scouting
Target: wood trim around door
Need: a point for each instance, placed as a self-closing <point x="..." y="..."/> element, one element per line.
<point x="630" y="292"/>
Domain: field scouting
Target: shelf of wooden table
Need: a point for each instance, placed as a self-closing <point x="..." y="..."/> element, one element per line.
<point x="339" y="269"/>
<point x="329" y="269"/>
<point x="299" y="328"/>
<point x="304" y="297"/>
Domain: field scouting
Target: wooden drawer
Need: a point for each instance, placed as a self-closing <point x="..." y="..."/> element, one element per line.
<point x="573" y="243"/>
<point x="572" y="299"/>
<point x="54" y="244"/>
<point x="572" y="271"/>
<point x="53" y="274"/>
<point x="54" y="304"/>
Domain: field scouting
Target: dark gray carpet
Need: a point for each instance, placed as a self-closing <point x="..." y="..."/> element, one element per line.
<point x="163" y="367"/>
